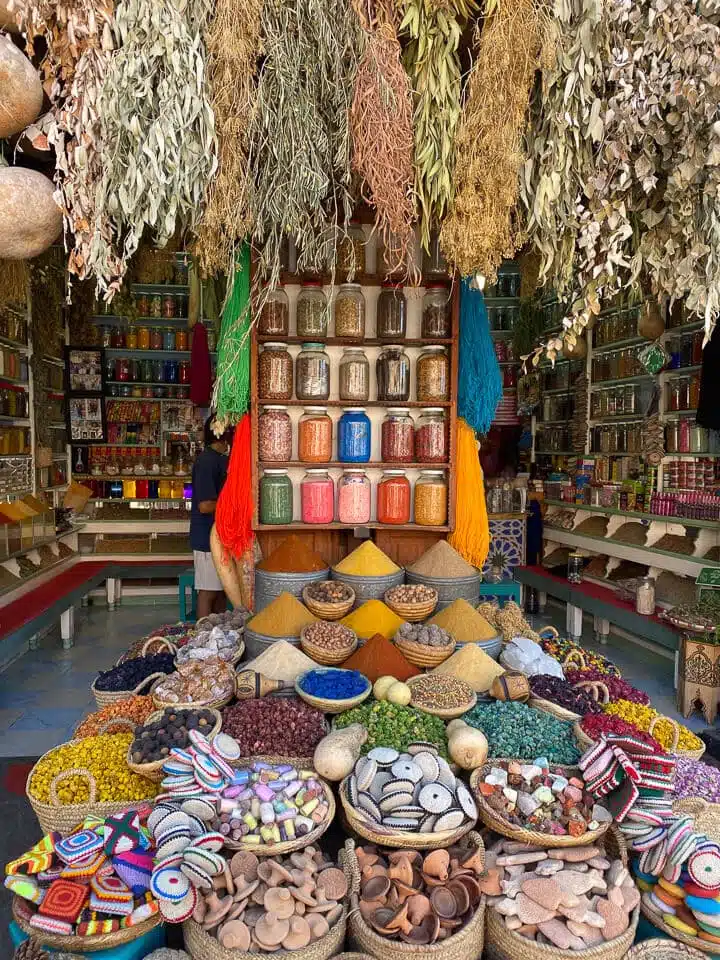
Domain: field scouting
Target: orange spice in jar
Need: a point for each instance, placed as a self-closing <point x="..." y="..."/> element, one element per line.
<point x="315" y="436"/>
<point x="431" y="494"/>
<point x="393" y="497"/>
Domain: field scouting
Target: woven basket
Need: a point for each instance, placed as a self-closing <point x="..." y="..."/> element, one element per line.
<point x="321" y="655"/>
<point x="448" y="713"/>
<point x="65" y="817"/>
<point x="594" y="687"/>
<point x="330" y="706"/>
<point x="209" y="705"/>
<point x="103" y="698"/>
<point x="660" y="948"/>
<point x="547" y="706"/>
<point x="288" y="846"/>
<point x="422" y="655"/>
<point x="691" y="754"/>
<point x="656" y="920"/>
<point x="584" y="741"/>
<point x="164" y="644"/>
<point x="103" y="941"/>
<point x="385" y="836"/>
<point x="500" y="825"/>
<point x="328" y="611"/>
<point x="706" y="816"/>
<point x="414" y="612"/>
<point x="153" y="771"/>
<point x="466" y="944"/>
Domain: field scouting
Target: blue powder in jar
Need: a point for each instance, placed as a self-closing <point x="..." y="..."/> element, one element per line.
<point x="334" y="684"/>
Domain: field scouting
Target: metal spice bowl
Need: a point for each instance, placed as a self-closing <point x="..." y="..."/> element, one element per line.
<point x="269" y="585"/>
<point x="449" y="589"/>
<point x="257" y="643"/>
<point x="370" y="588"/>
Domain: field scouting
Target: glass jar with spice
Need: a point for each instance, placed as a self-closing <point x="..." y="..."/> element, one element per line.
<point x="393" y="497"/>
<point x="397" y="437"/>
<point x="351" y="250"/>
<point x="436" y="320"/>
<point x="117" y="338"/>
<point x="431" y="507"/>
<point x="431" y="436"/>
<point x="142" y="305"/>
<point x="694" y="392"/>
<point x="131" y="337"/>
<point x="317" y="497"/>
<point x="353" y="498"/>
<point x="275" y="372"/>
<point x="354" y="375"/>
<point x="181" y="339"/>
<point x="276" y="497"/>
<point x="433" y="375"/>
<point x="274" y="435"/>
<point x="168" y="305"/>
<point x="350" y="312"/>
<point x="156" y="305"/>
<point x="391" y="322"/>
<point x="393" y="375"/>
<point x="156" y="339"/>
<point x="274" y="319"/>
<point x="312" y="311"/>
<point x="354" y="435"/>
<point x="143" y="338"/>
<point x="315" y="436"/>
<point x="168" y="339"/>
<point x="312" y="373"/>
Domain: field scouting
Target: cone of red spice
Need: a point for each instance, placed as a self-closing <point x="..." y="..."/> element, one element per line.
<point x="380" y="658"/>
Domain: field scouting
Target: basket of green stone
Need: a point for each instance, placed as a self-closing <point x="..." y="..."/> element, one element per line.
<point x="518" y="731"/>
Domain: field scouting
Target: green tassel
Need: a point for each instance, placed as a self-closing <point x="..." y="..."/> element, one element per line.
<point x="232" y="389"/>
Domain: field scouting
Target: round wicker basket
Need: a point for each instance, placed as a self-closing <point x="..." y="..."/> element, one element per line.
<point x="554" y="709"/>
<point x="447" y="713"/>
<point x="328" y="611"/>
<point x="423" y="655"/>
<point x="691" y="754"/>
<point x="412" y="612"/>
<point x="330" y="706"/>
<point x="660" y="948"/>
<point x="153" y="770"/>
<point x="324" y="656"/>
<point x="705" y="814"/>
<point x="209" y="705"/>
<point x="584" y="741"/>
<point x="500" y="825"/>
<point x="103" y="941"/>
<point x="103" y="698"/>
<point x="159" y="644"/>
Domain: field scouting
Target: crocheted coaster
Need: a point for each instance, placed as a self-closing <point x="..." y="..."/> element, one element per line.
<point x="180" y="910"/>
<point x="692" y="890"/>
<point x="704" y="867"/>
<point x="51" y="925"/>
<point x="169" y="884"/>
<point x="142" y="913"/>
<point x="703" y="905"/>
<point x="93" y="928"/>
<point x="84" y="869"/>
<point x="37" y="858"/>
<point x="64" y="900"/>
<point x="660" y="905"/>
<point x="671" y="888"/>
<point x="78" y="846"/>
<point x="46" y="877"/>
<point x="109" y="889"/>
<point x="122" y="832"/>
<point x="25" y="887"/>
<point x="120" y="908"/>
<point x="135" y="868"/>
<point x="159" y="814"/>
<point x="620" y="801"/>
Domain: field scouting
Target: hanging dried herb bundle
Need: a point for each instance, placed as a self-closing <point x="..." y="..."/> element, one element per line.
<point x="158" y="131"/>
<point x="433" y="64"/>
<point x="381" y="121"/>
<point x="234" y="45"/>
<point x="14" y="275"/>
<point x="300" y="138"/>
<point x="83" y="332"/>
<point x="47" y="293"/>
<point x="482" y="227"/>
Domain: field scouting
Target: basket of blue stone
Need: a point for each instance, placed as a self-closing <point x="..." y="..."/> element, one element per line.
<point x="408" y="800"/>
<point x="333" y="690"/>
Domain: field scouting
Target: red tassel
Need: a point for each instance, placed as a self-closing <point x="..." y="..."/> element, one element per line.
<point x="233" y="516"/>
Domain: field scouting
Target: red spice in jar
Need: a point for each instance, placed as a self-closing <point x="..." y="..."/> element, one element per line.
<point x="317" y="498"/>
<point x="431" y="441"/>
<point x="393" y="499"/>
<point x="398" y="440"/>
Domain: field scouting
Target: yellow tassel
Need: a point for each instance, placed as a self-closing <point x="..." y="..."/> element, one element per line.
<point x="471" y="537"/>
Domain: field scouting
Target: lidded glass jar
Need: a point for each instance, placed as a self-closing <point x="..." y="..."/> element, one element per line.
<point x="436" y="318"/>
<point x="431" y="496"/>
<point x="393" y="497"/>
<point x="315" y="436"/>
<point x="312" y="310"/>
<point x="351" y="250"/>
<point x="276" y="497"/>
<point x="275" y="372"/>
<point x="392" y="371"/>
<point x="354" y="375"/>
<point x="312" y="373"/>
<point x="350" y="312"/>
<point x="274" y="319"/>
<point x="433" y="375"/>
<point x="317" y="497"/>
<point x="398" y="437"/>
<point x="431" y="436"/>
<point x="354" y="435"/>
<point x="274" y="434"/>
<point x="353" y="498"/>
<point x="391" y="312"/>
<point x="434" y="262"/>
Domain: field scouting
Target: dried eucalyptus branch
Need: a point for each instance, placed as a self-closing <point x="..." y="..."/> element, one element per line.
<point x="234" y="45"/>
<point x="300" y="137"/>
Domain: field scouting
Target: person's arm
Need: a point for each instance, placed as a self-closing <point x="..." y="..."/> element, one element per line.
<point x="207" y="506"/>
<point x="206" y="487"/>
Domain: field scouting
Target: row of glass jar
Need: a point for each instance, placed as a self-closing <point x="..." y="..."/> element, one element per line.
<point x="616" y="365"/>
<point x="140" y="489"/>
<point x="142" y="461"/>
<point x="617" y="437"/>
<point x="616" y="401"/>
<point x="140" y="390"/>
<point x="166" y="305"/>
<point x="691" y="474"/>
<point x="684" y="436"/>
<point x="685" y="351"/>
<point x="146" y="338"/>
<point x="319" y="503"/>
<point x="558" y="407"/>
<point x="129" y="370"/>
<point x="12" y="365"/>
<point x="559" y="376"/>
<point x="552" y="440"/>
<point x="503" y="317"/>
<point x="683" y="393"/>
<point x="401" y="440"/>
<point x="14" y="440"/>
<point x="621" y="325"/>
<point x="13" y="401"/>
<point x="392" y="371"/>
<point x="349" y="311"/>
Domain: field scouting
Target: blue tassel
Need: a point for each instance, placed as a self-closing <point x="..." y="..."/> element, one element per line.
<point x="479" y="379"/>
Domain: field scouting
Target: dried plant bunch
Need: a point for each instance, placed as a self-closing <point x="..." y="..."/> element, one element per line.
<point x="14" y="276"/>
<point x="300" y="140"/>
<point x="481" y="228"/>
<point x="234" y="45"/>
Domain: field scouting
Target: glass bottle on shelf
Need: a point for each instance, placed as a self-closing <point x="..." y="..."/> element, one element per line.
<point x="434" y="263"/>
<point x="393" y="375"/>
<point x="354" y="375"/>
<point x="351" y="251"/>
<point x="275" y="372"/>
<point x="398" y="437"/>
<point x="274" y="434"/>
<point x="315" y="436"/>
<point x="274" y="319"/>
<point x="143" y="338"/>
<point x="317" y="497"/>
<point x="312" y="373"/>
<point x="436" y="318"/>
<point x="431" y="436"/>
<point x="433" y="375"/>
<point x="349" y="309"/>
<point x="353" y="497"/>
<point x="312" y="311"/>
<point x="393" y="497"/>
<point x="431" y="492"/>
<point x="391" y="323"/>
<point x="354" y="436"/>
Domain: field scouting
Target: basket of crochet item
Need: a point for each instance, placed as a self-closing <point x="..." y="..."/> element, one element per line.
<point x="83" y="945"/>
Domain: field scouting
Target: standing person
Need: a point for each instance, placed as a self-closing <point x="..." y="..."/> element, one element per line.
<point x="208" y="478"/>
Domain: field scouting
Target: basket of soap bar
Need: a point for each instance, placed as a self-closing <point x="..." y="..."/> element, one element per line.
<point x="195" y="684"/>
<point x="533" y="921"/>
<point x="291" y="816"/>
<point x="407" y="800"/>
<point x="166" y="730"/>
<point x="544" y="807"/>
<point x="415" y="905"/>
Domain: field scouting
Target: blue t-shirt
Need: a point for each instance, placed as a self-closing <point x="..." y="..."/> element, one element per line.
<point x="208" y="477"/>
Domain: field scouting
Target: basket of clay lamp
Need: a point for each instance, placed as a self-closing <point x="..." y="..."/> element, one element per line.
<point x="67" y="944"/>
<point x="147" y="647"/>
<point x="414" y="925"/>
<point x="103" y="698"/>
<point x="154" y="769"/>
<point x="325" y="610"/>
<point x="493" y="819"/>
<point x="412" y="611"/>
<point x="326" y="656"/>
<point x="215" y="704"/>
<point x="422" y="654"/>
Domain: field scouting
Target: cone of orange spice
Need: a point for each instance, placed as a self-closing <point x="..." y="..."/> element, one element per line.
<point x="380" y="658"/>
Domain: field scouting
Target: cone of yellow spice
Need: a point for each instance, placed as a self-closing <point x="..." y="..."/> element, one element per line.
<point x="367" y="560"/>
<point x="464" y="623"/>
<point x="284" y="617"/>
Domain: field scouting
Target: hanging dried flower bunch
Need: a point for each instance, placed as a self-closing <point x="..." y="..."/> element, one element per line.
<point x="158" y="131"/>
<point x="300" y="137"/>
<point x="481" y="228"/>
<point x="433" y="65"/>
<point x="234" y="45"/>
<point x="381" y="122"/>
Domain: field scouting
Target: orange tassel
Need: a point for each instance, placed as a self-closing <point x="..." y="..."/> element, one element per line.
<point x="233" y="516"/>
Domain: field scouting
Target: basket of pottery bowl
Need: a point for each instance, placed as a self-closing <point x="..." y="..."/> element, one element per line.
<point x="411" y="801"/>
<point x="410" y="904"/>
<point x="153" y="769"/>
<point x="526" y="780"/>
<point x="533" y="919"/>
<point x="295" y="906"/>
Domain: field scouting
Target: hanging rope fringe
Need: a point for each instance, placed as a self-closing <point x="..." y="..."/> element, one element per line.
<point x="479" y="379"/>
<point x="471" y="537"/>
<point x="231" y="396"/>
<point x="233" y="516"/>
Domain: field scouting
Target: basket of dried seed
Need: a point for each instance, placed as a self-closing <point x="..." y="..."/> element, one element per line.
<point x="412" y="601"/>
<point x="329" y="599"/>
<point x="442" y="695"/>
<point x="328" y="643"/>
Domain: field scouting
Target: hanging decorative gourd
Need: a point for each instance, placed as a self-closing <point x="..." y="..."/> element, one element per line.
<point x="22" y="93"/>
<point x="30" y="220"/>
<point x="650" y="320"/>
<point x="7" y="18"/>
<point x="574" y="348"/>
